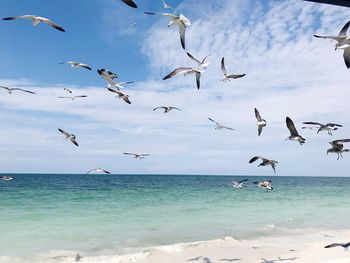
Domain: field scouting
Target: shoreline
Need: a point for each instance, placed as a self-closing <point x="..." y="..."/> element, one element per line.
<point x="303" y="248"/>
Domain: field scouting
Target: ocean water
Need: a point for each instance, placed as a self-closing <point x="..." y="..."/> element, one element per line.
<point x="118" y="214"/>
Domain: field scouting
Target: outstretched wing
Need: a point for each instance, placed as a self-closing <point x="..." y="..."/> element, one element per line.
<point x="64" y="132"/>
<point x="242" y="181"/>
<point x="54" y="25"/>
<point x="312" y="123"/>
<point x="223" y="68"/>
<point x="192" y="57"/>
<point x="24" y="90"/>
<point x="334" y="245"/>
<point x="333" y="125"/>
<point x="236" y="76"/>
<point x="161" y="107"/>
<point x="257" y="115"/>
<point x="213" y="121"/>
<point x="337" y="38"/>
<point x="344" y="29"/>
<point x="290" y="125"/>
<point x="178" y="71"/>
<point x="198" y="79"/>
<point x="254" y="159"/>
<point x="130" y="3"/>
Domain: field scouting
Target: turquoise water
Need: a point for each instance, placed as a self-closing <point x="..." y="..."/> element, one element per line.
<point x="112" y="214"/>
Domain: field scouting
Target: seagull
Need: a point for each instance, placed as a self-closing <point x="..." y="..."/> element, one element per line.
<point x="329" y="127"/>
<point x="338" y="147"/>
<point x="228" y="77"/>
<point x="74" y="64"/>
<point x="179" y="20"/>
<point x="294" y="135"/>
<point x="167" y="108"/>
<point x="10" y="90"/>
<point x="73" y="97"/>
<point x="343" y="42"/>
<point x="265" y="162"/>
<point x="118" y="85"/>
<point x="68" y="90"/>
<point x="344" y="245"/>
<point x="265" y="184"/>
<point x="238" y="184"/>
<point x="260" y="122"/>
<point x="138" y="155"/>
<point x="200" y="63"/>
<point x="185" y="71"/>
<point x="98" y="170"/>
<point x="130" y="3"/>
<point x="219" y="126"/>
<point x="121" y="95"/>
<point x="166" y="6"/>
<point x="6" y="178"/>
<point x="36" y="20"/>
<point x="108" y="75"/>
<point x="69" y="136"/>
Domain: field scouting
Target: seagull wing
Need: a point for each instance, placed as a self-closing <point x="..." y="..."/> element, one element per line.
<point x="28" y="91"/>
<point x="84" y="66"/>
<point x="334" y="124"/>
<point x="242" y="181"/>
<point x="162" y="107"/>
<point x="174" y="108"/>
<point x="214" y="121"/>
<point x="162" y="14"/>
<point x="98" y="170"/>
<point x="198" y="79"/>
<point x="129" y="153"/>
<point x="338" y="142"/>
<point x="313" y="123"/>
<point x="66" y="89"/>
<point x="126" y="99"/>
<point x="346" y="56"/>
<point x="115" y="91"/>
<point x="126" y="82"/>
<point x="290" y="125"/>
<point x="254" y="159"/>
<point x="334" y="245"/>
<point x="50" y="23"/>
<point x="144" y="154"/>
<point x="228" y="128"/>
<point x="30" y="17"/>
<point x="192" y="57"/>
<point x="182" y="30"/>
<point x="257" y="115"/>
<point x="273" y="165"/>
<point x="3" y="87"/>
<point x="64" y="132"/>
<point x="236" y="76"/>
<point x="203" y="60"/>
<point x="72" y="139"/>
<point x="178" y="71"/>
<point x="64" y="97"/>
<point x="223" y="68"/>
<point x="260" y="127"/>
<point x="130" y="3"/>
<point x="337" y="38"/>
<point x="80" y="96"/>
<point x="344" y="29"/>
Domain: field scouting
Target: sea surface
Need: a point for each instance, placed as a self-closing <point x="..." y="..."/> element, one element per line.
<point x="118" y="214"/>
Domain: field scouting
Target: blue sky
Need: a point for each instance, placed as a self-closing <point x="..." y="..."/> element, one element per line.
<point x="289" y="73"/>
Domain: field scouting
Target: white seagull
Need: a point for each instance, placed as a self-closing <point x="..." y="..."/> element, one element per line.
<point x="294" y="135"/>
<point x="10" y="90"/>
<point x="74" y="64"/>
<point x="265" y="184"/>
<point x="238" y="184"/>
<point x="73" y="97"/>
<point x="36" y="20"/>
<point x="185" y="71"/>
<point x="261" y="123"/>
<point x="219" y="126"/>
<point x="121" y="95"/>
<point x="329" y="127"/>
<point x="167" y="108"/>
<point x="69" y="136"/>
<point x="130" y="3"/>
<point x="138" y="155"/>
<point x="265" y="162"/>
<point x="68" y="90"/>
<point x="338" y="147"/>
<point x="6" y="178"/>
<point x="179" y="20"/>
<point x="343" y="42"/>
<point x="166" y="6"/>
<point x="108" y="75"/>
<point x="226" y="76"/>
<point x="98" y="170"/>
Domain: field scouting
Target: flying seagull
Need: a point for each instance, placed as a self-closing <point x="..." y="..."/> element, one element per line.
<point x="343" y="42"/>
<point x="201" y="63"/>
<point x="130" y="3"/>
<point x="118" y="85"/>
<point x="294" y="135"/>
<point x="138" y="155"/>
<point x="179" y="20"/>
<point x="10" y="90"/>
<point x="121" y="95"/>
<point x="73" y="97"/>
<point x="74" y="64"/>
<point x="344" y="245"/>
<point x="185" y="71"/>
<point x="265" y="184"/>
<point x="68" y="90"/>
<point x="329" y="127"/>
<point x="261" y="123"/>
<point x="226" y="76"/>
<point x="167" y="108"/>
<point x="69" y="136"/>
<point x="108" y="75"/>
<point x="6" y="178"/>
<point x="166" y="6"/>
<point x="98" y="170"/>
<point x="219" y="126"/>
<point x="36" y="20"/>
<point x="238" y="184"/>
<point x="265" y="162"/>
<point x="338" y="147"/>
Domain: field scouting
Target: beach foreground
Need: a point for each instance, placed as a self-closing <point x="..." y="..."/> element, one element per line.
<point x="301" y="248"/>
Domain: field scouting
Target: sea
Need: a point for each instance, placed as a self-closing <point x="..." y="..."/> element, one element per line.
<point x="45" y="215"/>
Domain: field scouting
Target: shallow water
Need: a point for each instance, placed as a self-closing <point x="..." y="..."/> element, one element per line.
<point x="112" y="214"/>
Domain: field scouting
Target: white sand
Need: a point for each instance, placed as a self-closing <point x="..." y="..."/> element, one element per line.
<point x="306" y="248"/>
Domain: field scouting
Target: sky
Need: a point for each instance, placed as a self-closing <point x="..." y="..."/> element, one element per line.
<point x="288" y="73"/>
